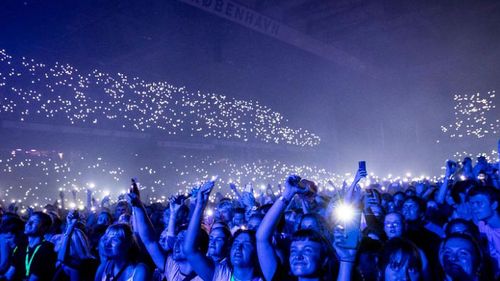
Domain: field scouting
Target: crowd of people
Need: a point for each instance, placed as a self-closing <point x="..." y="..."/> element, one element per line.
<point x="423" y="230"/>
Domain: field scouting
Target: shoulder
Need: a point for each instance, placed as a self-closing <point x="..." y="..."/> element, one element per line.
<point x="46" y="245"/>
<point x="141" y="267"/>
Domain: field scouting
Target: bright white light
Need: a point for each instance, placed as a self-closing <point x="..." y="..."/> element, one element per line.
<point x="344" y="212"/>
<point x="91" y="185"/>
<point x="209" y="212"/>
<point x="72" y="205"/>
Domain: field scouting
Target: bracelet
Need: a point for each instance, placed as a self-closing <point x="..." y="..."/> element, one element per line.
<point x="347" y="261"/>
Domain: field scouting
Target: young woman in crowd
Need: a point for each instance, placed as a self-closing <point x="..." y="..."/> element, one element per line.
<point x="75" y="261"/>
<point x="121" y="251"/>
<point x="242" y="263"/>
<point x="173" y="265"/>
<point x="310" y="253"/>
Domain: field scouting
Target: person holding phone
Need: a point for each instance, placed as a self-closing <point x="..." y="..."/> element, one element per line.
<point x="310" y="253"/>
<point x="74" y="259"/>
<point x="173" y="265"/>
<point x="241" y="265"/>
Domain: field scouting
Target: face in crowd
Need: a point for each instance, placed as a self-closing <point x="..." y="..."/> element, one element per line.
<point x="243" y="251"/>
<point x="104" y="219"/>
<point x="309" y="222"/>
<point x="117" y="241"/>
<point x="459" y="257"/>
<point x="482" y="208"/>
<point x="37" y="224"/>
<point x="163" y="241"/>
<point x="411" y="210"/>
<point x="400" y="260"/>
<point x="121" y="208"/>
<point x="254" y="222"/>
<point x="393" y="225"/>
<point x="238" y="219"/>
<point x="308" y="254"/>
<point x="305" y="258"/>
<point x="178" y="251"/>
<point x="398" y="200"/>
<point x="217" y="243"/>
<point x="225" y="213"/>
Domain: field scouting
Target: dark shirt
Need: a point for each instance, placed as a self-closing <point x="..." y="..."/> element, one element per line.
<point x="42" y="265"/>
<point x="86" y="269"/>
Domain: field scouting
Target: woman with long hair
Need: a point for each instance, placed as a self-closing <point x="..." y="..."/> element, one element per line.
<point x="242" y="263"/>
<point x="121" y="250"/>
<point x="75" y="261"/>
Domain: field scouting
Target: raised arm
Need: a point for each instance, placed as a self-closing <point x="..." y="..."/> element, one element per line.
<point x="352" y="195"/>
<point x="145" y="228"/>
<point x="346" y="242"/>
<point x="236" y="191"/>
<point x="202" y="265"/>
<point x="268" y="259"/>
<point x="450" y="169"/>
<point x="71" y="220"/>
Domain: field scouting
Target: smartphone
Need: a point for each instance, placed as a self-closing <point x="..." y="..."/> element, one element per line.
<point x="362" y="165"/>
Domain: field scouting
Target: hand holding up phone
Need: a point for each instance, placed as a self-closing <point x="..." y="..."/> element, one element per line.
<point x="134" y="196"/>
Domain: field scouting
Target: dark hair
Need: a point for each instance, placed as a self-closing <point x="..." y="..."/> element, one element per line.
<point x="323" y="225"/>
<point x="472" y="229"/>
<point x="461" y="187"/>
<point x="227" y="234"/>
<point x="399" y="193"/>
<point x="255" y="259"/>
<point x="409" y="254"/>
<point x="326" y="247"/>
<point x="487" y="191"/>
<point x="478" y="262"/>
<point x="45" y="220"/>
<point x="386" y="196"/>
<point x="12" y="225"/>
<point x="422" y="206"/>
<point x="312" y="235"/>
<point x="239" y="211"/>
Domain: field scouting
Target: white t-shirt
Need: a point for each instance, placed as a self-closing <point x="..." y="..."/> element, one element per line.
<point x="172" y="271"/>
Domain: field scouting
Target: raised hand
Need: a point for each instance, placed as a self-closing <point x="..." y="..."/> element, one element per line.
<point x="204" y="193"/>
<point x="359" y="175"/>
<point x="248" y="199"/>
<point x="292" y="186"/>
<point x="175" y="203"/>
<point x="134" y="195"/>
<point x="346" y="250"/>
<point x="72" y="218"/>
<point x="451" y="168"/>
